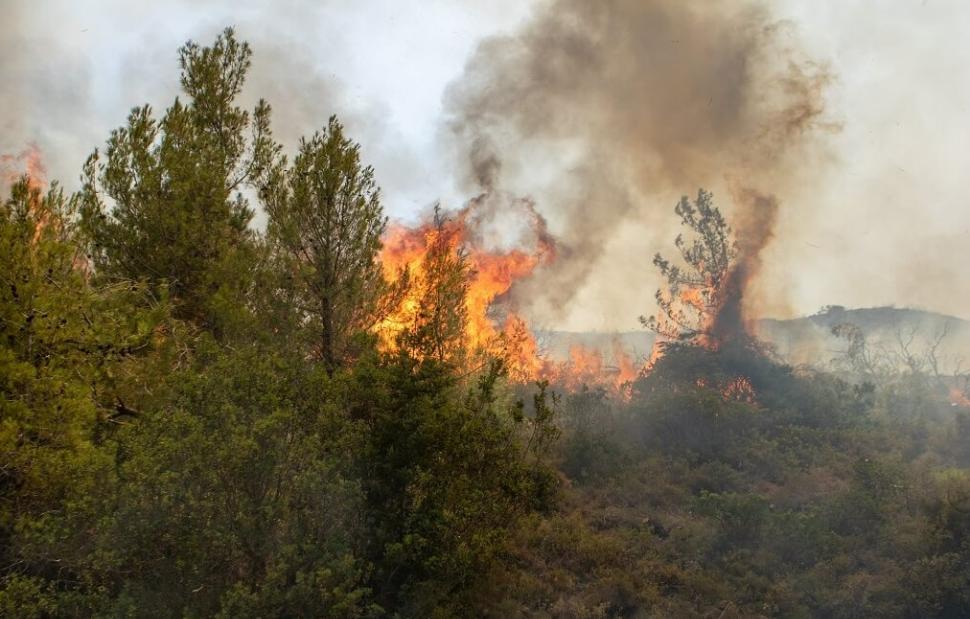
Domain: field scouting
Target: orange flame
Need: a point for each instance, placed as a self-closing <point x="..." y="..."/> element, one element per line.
<point x="521" y="353"/>
<point x="493" y="274"/>
<point x="626" y="366"/>
<point x="739" y="389"/>
<point x="959" y="398"/>
<point x="27" y="162"/>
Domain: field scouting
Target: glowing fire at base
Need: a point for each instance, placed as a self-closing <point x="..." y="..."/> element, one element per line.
<point x="493" y="274"/>
<point x="959" y="398"/>
<point x="739" y="389"/>
<point x="29" y="162"/>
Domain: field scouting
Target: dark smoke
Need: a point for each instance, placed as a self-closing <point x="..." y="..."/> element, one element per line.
<point x="632" y="102"/>
<point x="757" y="214"/>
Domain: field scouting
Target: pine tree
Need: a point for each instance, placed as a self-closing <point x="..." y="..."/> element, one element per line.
<point x="175" y="213"/>
<point x="326" y="218"/>
<point x="63" y="345"/>
<point x="693" y="295"/>
<point x="441" y="291"/>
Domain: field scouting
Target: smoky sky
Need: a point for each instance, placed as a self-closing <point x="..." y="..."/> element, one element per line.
<point x="601" y="114"/>
<point x="648" y="100"/>
<point x="72" y="72"/>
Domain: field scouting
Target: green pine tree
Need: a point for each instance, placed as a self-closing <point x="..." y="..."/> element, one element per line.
<point x="164" y="203"/>
<point x="326" y="219"/>
<point x="64" y="349"/>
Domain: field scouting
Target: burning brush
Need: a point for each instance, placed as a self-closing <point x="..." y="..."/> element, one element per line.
<point x="479" y="234"/>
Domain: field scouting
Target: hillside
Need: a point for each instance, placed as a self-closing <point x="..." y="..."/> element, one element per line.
<point x="805" y="340"/>
<point x="888" y="330"/>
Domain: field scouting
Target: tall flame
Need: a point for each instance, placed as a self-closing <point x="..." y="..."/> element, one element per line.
<point x="27" y="162"/>
<point x="492" y="275"/>
<point x="493" y="325"/>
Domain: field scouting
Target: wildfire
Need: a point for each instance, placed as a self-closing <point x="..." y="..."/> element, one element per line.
<point x="30" y="162"/>
<point x="587" y="367"/>
<point x="739" y="389"/>
<point x="959" y="398"/>
<point x="703" y="300"/>
<point x="627" y="368"/>
<point x="522" y="355"/>
<point x="493" y="273"/>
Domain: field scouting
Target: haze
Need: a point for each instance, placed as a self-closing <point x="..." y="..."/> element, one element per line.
<point x="880" y="190"/>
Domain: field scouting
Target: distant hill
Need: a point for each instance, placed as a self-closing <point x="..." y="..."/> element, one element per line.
<point x="806" y="340"/>
<point x="887" y="330"/>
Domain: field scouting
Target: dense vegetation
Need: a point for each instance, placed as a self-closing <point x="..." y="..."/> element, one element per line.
<point x="196" y="420"/>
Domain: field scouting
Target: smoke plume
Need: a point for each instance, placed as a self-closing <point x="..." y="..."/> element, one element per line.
<point x="757" y="214"/>
<point x="610" y="110"/>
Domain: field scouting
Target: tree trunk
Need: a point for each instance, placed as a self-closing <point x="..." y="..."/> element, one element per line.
<point x="326" y="336"/>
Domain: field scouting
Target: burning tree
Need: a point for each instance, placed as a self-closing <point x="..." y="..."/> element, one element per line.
<point x="696" y="291"/>
<point x="458" y="305"/>
<point x="700" y="317"/>
<point x="435" y="327"/>
<point x="454" y="282"/>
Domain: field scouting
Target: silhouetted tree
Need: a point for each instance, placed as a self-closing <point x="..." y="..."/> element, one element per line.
<point x="692" y="296"/>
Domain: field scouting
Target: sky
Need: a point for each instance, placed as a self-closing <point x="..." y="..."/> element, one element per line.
<point x="880" y="215"/>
